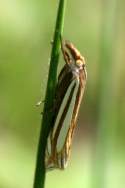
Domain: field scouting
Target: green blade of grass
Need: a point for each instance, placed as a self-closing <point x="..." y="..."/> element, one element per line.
<point x="105" y="101"/>
<point x="39" y="178"/>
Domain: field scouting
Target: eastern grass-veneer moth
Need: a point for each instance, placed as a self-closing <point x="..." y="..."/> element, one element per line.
<point x="69" y="92"/>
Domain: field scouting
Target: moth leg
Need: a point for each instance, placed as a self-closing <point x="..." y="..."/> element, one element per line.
<point x="51" y="42"/>
<point x="51" y="109"/>
<point x="40" y="102"/>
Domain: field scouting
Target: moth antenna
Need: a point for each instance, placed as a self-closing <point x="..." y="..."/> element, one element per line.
<point x="62" y="43"/>
<point x="65" y="53"/>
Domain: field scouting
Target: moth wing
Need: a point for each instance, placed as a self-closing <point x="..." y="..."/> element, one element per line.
<point x="64" y="80"/>
<point x="64" y="155"/>
<point x="64" y="117"/>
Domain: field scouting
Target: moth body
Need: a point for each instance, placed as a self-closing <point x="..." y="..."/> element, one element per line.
<point x="69" y="92"/>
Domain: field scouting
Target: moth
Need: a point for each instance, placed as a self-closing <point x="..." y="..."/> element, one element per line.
<point x="68" y="96"/>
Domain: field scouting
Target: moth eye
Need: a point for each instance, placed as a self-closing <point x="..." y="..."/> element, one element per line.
<point x="79" y="63"/>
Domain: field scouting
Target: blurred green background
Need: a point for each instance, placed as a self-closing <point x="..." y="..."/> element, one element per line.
<point x="97" y="28"/>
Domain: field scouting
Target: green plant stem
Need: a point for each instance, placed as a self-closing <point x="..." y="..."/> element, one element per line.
<point x="106" y="101"/>
<point x="39" y="178"/>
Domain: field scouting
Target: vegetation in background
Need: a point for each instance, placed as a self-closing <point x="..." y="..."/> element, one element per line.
<point x="49" y="99"/>
<point x="26" y="29"/>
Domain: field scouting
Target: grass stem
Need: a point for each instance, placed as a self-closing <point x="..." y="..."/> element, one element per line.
<point x="39" y="179"/>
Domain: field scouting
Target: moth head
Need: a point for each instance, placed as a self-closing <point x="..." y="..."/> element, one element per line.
<point x="80" y="62"/>
<point x="74" y="55"/>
